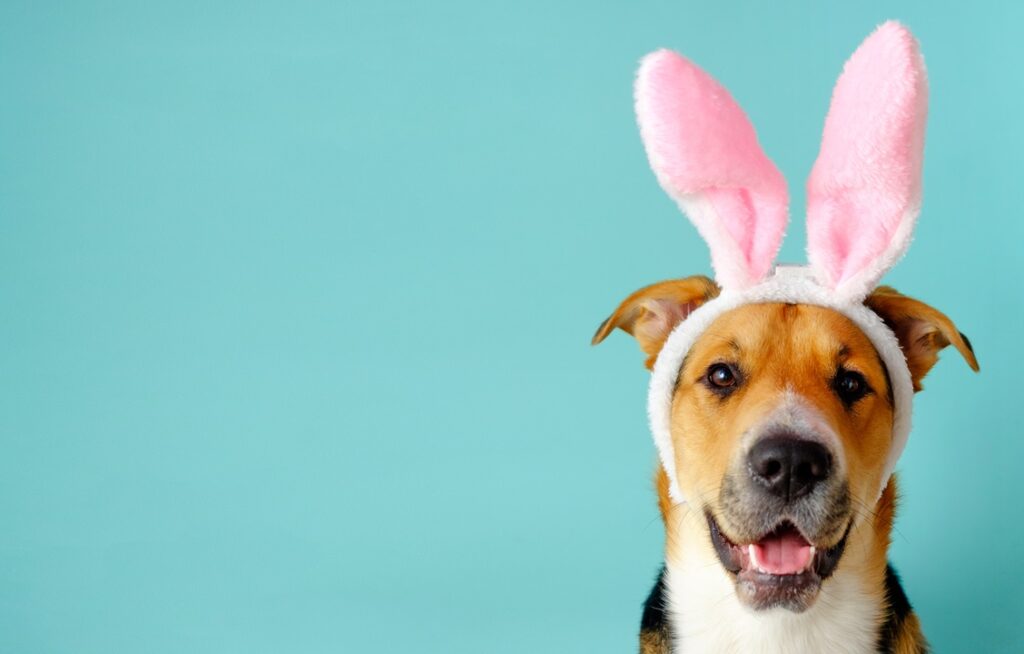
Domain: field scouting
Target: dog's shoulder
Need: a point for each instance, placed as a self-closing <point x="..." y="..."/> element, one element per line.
<point x="655" y="636"/>
<point x="901" y="631"/>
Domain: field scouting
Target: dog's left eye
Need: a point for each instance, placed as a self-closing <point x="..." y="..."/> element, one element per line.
<point x="850" y="386"/>
<point x="721" y="377"/>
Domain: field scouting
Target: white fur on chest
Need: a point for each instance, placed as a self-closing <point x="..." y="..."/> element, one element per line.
<point x="707" y="618"/>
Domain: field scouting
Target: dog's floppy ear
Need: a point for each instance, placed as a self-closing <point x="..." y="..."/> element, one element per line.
<point x="651" y="313"/>
<point x="922" y="331"/>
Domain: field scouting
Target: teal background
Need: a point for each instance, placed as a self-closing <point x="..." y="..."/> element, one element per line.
<point x="297" y="301"/>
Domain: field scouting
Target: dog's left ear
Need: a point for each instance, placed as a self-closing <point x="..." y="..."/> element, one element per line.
<point x="651" y="313"/>
<point x="922" y="331"/>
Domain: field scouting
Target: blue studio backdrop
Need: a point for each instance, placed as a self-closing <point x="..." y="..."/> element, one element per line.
<point x="297" y="300"/>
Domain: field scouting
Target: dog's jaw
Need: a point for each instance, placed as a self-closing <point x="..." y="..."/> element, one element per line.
<point x="707" y="615"/>
<point x="790" y="578"/>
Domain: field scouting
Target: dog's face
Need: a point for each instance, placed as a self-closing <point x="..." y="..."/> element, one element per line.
<point x="781" y="421"/>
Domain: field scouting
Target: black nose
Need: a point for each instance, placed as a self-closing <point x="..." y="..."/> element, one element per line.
<point x="788" y="467"/>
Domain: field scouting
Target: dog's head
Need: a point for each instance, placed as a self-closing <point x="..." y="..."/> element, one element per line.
<point x="781" y="423"/>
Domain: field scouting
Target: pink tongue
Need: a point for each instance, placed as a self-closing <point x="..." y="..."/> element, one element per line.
<point x="783" y="554"/>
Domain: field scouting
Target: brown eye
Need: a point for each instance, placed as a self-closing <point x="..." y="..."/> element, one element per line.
<point x="850" y="386"/>
<point x="721" y="376"/>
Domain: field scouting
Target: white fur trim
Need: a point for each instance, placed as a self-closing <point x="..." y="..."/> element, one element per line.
<point x="791" y="284"/>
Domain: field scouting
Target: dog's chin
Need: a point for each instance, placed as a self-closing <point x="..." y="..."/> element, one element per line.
<point x="781" y="569"/>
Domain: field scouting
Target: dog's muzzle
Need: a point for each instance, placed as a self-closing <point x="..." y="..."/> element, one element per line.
<point x="783" y="520"/>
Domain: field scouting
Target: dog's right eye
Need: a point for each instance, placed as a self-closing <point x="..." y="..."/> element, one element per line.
<point x="721" y="377"/>
<point x="850" y="385"/>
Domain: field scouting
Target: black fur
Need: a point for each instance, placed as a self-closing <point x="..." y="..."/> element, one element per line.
<point x="967" y="342"/>
<point x="899" y="609"/>
<point x="654" y="625"/>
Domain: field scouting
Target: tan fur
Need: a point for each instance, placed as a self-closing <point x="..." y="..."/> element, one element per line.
<point x="654" y="642"/>
<point x="911" y="640"/>
<point x="661" y="486"/>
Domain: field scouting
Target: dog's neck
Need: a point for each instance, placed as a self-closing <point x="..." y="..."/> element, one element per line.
<point x="705" y="614"/>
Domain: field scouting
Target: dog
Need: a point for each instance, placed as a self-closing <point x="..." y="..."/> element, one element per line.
<point x="785" y="409"/>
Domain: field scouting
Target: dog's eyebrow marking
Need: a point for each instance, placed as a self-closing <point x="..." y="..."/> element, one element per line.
<point x="844" y="352"/>
<point x="734" y="344"/>
<point x="679" y="373"/>
<point x="888" y="382"/>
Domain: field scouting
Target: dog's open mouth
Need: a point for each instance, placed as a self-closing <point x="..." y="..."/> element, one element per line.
<point x="780" y="569"/>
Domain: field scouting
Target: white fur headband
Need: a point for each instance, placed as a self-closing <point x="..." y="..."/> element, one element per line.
<point x="863" y="198"/>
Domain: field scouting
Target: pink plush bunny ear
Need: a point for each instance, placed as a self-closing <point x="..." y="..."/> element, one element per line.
<point x="864" y="193"/>
<point x="707" y="158"/>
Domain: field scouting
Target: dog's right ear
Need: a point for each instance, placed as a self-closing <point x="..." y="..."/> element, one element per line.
<point x="921" y="330"/>
<point x="651" y="313"/>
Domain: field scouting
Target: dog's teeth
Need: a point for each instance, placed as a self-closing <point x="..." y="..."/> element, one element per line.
<point x="752" y="553"/>
<point x="810" y="559"/>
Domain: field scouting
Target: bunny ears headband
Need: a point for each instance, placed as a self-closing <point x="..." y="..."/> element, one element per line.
<point x="863" y="198"/>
